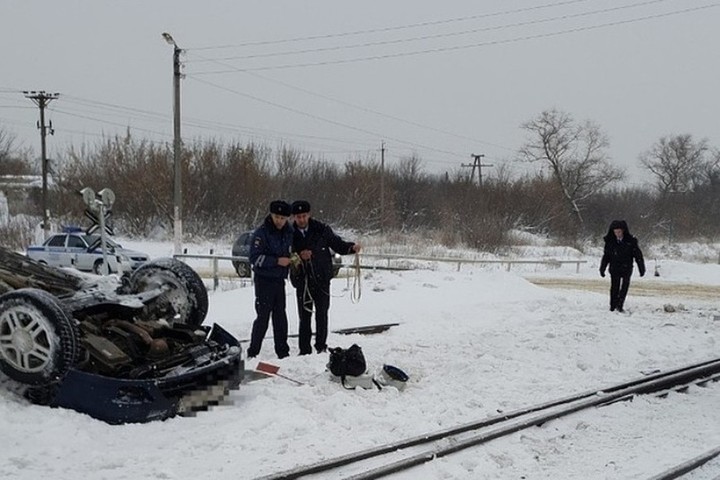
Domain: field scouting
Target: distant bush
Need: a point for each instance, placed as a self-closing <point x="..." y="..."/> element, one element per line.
<point x="227" y="188"/>
<point x="19" y="232"/>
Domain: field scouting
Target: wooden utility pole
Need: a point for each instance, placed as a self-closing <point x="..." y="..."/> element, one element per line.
<point x="382" y="187"/>
<point x="177" y="146"/>
<point x="42" y="99"/>
<point x="477" y="163"/>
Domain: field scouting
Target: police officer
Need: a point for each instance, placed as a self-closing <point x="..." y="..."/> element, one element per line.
<point x="270" y="260"/>
<point x="620" y="250"/>
<point x="312" y="241"/>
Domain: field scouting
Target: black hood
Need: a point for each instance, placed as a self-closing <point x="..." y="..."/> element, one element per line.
<point x="617" y="224"/>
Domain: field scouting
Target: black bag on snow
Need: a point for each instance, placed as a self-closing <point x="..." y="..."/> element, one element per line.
<point x="347" y="362"/>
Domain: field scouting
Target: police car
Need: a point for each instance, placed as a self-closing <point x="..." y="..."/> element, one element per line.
<point x="74" y="248"/>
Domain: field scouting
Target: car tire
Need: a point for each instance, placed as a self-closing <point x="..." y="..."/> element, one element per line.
<point x="99" y="267"/>
<point x="39" y="343"/>
<point x="187" y="294"/>
<point x="243" y="269"/>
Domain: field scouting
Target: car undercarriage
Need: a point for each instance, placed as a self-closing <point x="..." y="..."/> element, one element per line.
<point x="121" y="349"/>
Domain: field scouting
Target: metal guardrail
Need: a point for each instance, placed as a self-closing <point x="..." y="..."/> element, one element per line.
<point x="461" y="261"/>
<point x="214" y="258"/>
<point x="389" y="257"/>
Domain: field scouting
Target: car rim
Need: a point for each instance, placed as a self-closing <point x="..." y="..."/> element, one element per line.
<point x="175" y="293"/>
<point x="25" y="339"/>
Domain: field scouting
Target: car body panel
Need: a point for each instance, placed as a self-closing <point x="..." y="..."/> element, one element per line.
<point x="81" y="251"/>
<point x="241" y="248"/>
<point x="117" y="400"/>
<point x="130" y="349"/>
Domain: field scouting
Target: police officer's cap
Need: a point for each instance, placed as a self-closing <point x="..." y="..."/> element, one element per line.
<point x="300" y="206"/>
<point x="280" y="207"/>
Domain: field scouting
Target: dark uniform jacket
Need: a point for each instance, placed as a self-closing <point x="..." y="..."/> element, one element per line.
<point x="319" y="238"/>
<point x="267" y="246"/>
<point x="620" y="254"/>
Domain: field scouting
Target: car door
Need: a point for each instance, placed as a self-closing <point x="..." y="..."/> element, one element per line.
<point x="56" y="251"/>
<point x="247" y="242"/>
<point x="77" y="252"/>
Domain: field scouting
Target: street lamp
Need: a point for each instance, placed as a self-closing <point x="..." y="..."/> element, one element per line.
<point x="177" y="145"/>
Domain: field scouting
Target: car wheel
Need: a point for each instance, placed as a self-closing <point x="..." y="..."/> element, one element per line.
<point x="185" y="291"/>
<point x="38" y="342"/>
<point x="242" y="269"/>
<point x="99" y="267"/>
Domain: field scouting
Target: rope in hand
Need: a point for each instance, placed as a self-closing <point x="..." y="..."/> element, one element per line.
<point x="307" y="299"/>
<point x="356" y="291"/>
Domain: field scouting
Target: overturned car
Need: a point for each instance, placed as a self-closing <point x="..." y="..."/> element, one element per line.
<point x="127" y="350"/>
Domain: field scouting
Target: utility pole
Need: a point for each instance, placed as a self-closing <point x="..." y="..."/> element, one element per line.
<point x="382" y="187"/>
<point x="42" y="99"/>
<point x="177" y="146"/>
<point x="477" y="163"/>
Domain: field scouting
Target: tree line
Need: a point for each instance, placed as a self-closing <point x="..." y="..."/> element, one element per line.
<point x="227" y="187"/>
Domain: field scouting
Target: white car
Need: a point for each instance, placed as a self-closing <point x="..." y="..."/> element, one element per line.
<point x="84" y="252"/>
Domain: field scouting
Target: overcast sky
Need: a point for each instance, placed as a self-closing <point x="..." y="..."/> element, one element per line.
<point x="441" y="80"/>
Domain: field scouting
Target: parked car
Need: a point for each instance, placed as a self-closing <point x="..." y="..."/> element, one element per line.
<point x="241" y="248"/>
<point x="130" y="349"/>
<point x="74" y="248"/>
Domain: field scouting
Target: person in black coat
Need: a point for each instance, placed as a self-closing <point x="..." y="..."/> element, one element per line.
<point x="270" y="260"/>
<point x="621" y="249"/>
<point x="312" y="241"/>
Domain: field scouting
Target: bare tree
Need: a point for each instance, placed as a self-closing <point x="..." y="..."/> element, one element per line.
<point x="13" y="161"/>
<point x="711" y="171"/>
<point x="678" y="163"/>
<point x="289" y="161"/>
<point x="575" y="153"/>
<point x="410" y="196"/>
<point x="6" y="144"/>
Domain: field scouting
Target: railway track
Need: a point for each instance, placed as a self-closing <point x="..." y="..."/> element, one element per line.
<point x="688" y="466"/>
<point x="395" y="457"/>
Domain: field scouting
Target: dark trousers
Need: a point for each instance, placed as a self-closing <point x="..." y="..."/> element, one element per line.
<point x="619" y="284"/>
<point x="269" y="300"/>
<point x="317" y="296"/>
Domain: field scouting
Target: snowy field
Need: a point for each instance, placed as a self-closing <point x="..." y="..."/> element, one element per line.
<point x="475" y="342"/>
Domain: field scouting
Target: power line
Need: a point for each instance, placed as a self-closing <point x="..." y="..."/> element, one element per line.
<point x="105" y="105"/>
<point x="275" y="135"/>
<point x="188" y="121"/>
<point x="202" y="124"/>
<point x="123" y="125"/>
<point x="317" y="117"/>
<point x="465" y="46"/>
<point x="435" y="36"/>
<point x="264" y="134"/>
<point x="393" y="28"/>
<point x="365" y="109"/>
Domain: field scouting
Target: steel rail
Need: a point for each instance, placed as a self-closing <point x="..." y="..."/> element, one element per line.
<point x="687" y="467"/>
<point x="644" y="388"/>
<point x="579" y="401"/>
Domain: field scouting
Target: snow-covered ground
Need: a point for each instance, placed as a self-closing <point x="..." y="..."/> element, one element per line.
<point x="474" y="342"/>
